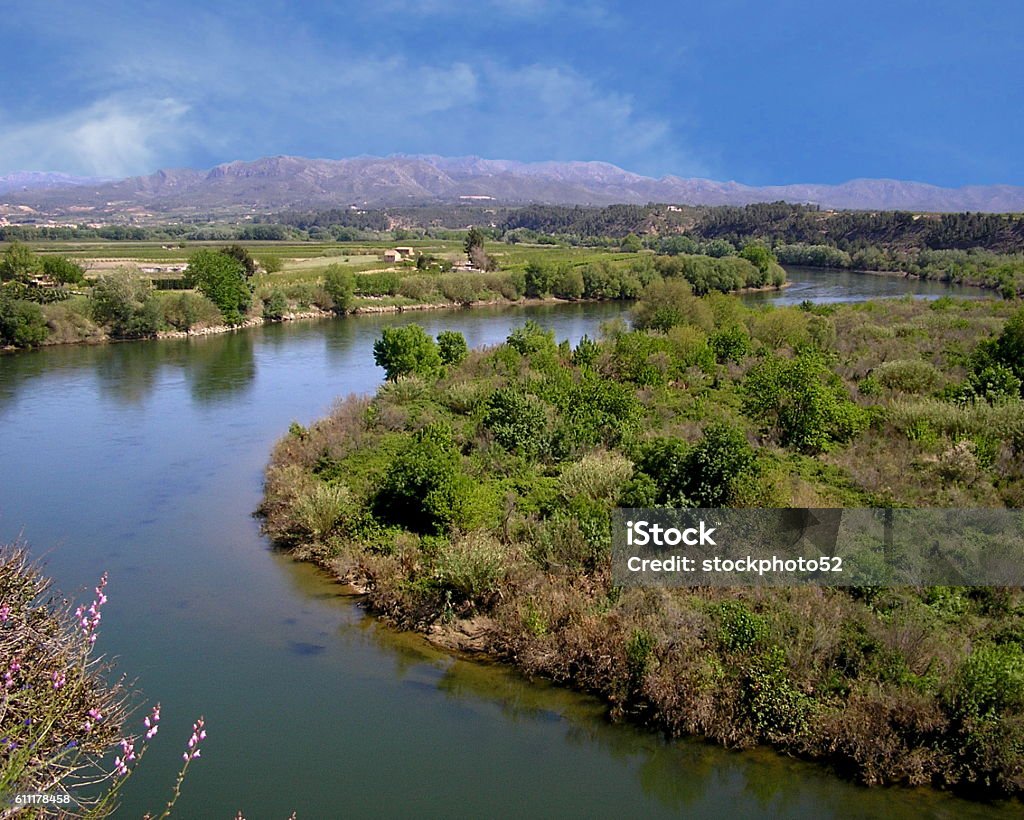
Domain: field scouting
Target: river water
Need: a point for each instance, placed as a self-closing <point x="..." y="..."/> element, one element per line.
<point x="145" y="460"/>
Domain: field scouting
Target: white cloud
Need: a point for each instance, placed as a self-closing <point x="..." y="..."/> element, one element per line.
<point x="111" y="137"/>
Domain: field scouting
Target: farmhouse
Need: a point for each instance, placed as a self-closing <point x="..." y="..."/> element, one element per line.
<point x="392" y="256"/>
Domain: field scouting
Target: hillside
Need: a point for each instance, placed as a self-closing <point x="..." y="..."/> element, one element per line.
<point x="275" y="183"/>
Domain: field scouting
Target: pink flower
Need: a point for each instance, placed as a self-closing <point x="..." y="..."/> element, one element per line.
<point x="151" y="722"/>
<point x="5" y="614"/>
<point x="198" y="735"/>
<point x="58" y="679"/>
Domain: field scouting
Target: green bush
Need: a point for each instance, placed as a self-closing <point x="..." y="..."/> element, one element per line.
<point x="222" y="278"/>
<point x="63" y="270"/>
<point x="802" y="401"/>
<point x="324" y="509"/>
<point x="275" y="306"/>
<point x="340" y="284"/>
<point x="126" y="304"/>
<point x="666" y="304"/>
<point x="739" y="629"/>
<point x="421" y="488"/>
<point x="989" y="680"/>
<point x="730" y="344"/>
<point x="471" y="567"/>
<point x="405" y="350"/>
<point x="21" y="323"/>
<point x="517" y="421"/>
<point x="908" y="376"/>
<point x="452" y="347"/>
<point x="183" y="311"/>
<point x="568" y="284"/>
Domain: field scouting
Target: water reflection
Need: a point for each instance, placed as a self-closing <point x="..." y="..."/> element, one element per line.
<point x="221" y="368"/>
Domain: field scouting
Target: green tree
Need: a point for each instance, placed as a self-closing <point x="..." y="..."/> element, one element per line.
<point x="421" y="489"/>
<point x="517" y="421"/>
<point x="222" y="279"/>
<point x="632" y="244"/>
<point x="126" y="304"/>
<point x="18" y="263"/>
<point x="340" y="283"/>
<point x="803" y="401"/>
<point x="452" y="347"/>
<point x="540" y="279"/>
<point x="406" y="350"/>
<point x="63" y="270"/>
<point x="21" y="323"/>
<point x="275" y="306"/>
<point x="240" y="254"/>
<point x="474" y="241"/>
<point x="759" y="255"/>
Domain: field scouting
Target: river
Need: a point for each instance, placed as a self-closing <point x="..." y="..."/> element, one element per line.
<point x="145" y="460"/>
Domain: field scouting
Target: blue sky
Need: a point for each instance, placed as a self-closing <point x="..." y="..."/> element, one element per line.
<point x="762" y="92"/>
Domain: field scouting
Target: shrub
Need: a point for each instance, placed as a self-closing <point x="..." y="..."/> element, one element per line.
<point x="989" y="680"/>
<point x="666" y="304"/>
<point x="782" y="327"/>
<point x="183" y="311"/>
<point x="275" y="306"/>
<point x="324" y="508"/>
<point x="517" y="421"/>
<point x="452" y="347"/>
<point x="715" y="464"/>
<point x="21" y="323"/>
<point x="18" y="263"/>
<point x="993" y="383"/>
<point x="802" y="401"/>
<point x="223" y="279"/>
<point x="419" y="288"/>
<point x="63" y="270"/>
<point x="531" y="338"/>
<point x="599" y="475"/>
<point x="340" y="285"/>
<point x="126" y="304"/>
<point x="739" y="630"/>
<point x="404" y="350"/>
<point x="568" y="284"/>
<point x="908" y="376"/>
<point x="420" y="490"/>
<point x="471" y="567"/>
<point x="540" y="280"/>
<point x="730" y="344"/>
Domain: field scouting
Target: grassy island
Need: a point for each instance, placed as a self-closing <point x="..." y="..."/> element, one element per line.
<point x="470" y="499"/>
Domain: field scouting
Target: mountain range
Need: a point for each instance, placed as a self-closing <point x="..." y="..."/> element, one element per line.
<point x="277" y="183"/>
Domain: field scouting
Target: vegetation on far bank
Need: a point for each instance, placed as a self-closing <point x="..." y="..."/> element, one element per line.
<point x="52" y="299"/>
<point x="471" y="498"/>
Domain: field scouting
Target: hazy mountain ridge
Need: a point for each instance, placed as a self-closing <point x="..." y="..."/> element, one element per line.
<point x="275" y="183"/>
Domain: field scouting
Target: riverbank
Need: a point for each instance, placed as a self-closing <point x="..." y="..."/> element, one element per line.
<point x="472" y="506"/>
<point x="366" y="308"/>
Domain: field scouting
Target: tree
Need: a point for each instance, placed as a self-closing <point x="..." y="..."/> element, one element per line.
<point x="21" y="323"/>
<point x="402" y="351"/>
<point x="452" y="347"/>
<point x="803" y="401"/>
<point x="63" y="270"/>
<point x="340" y="283"/>
<point x="539" y="278"/>
<point x="222" y="279"/>
<point x="421" y="489"/>
<point x="517" y="421"/>
<point x="474" y="241"/>
<point x="126" y="304"/>
<point x="18" y="263"/>
<point x="240" y="254"/>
